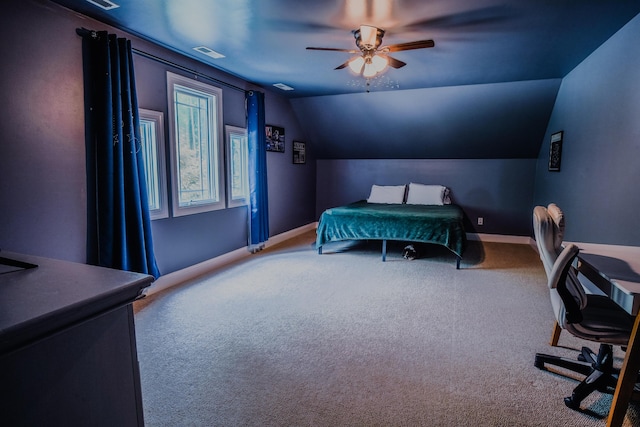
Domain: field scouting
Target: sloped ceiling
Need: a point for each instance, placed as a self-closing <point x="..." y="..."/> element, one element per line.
<point x="487" y="121"/>
<point x="485" y="90"/>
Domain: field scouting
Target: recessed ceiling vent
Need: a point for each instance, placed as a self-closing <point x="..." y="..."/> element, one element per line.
<point x="209" y="52"/>
<point x="104" y="4"/>
<point x="283" y="86"/>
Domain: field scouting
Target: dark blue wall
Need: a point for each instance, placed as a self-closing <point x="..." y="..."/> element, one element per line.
<point x="184" y="241"/>
<point x="498" y="190"/>
<point x="292" y="187"/>
<point x="598" y="108"/>
<point x="42" y="156"/>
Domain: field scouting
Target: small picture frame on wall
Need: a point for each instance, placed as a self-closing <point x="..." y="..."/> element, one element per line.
<point x="299" y="153"/>
<point x="555" y="152"/>
<point x="275" y="138"/>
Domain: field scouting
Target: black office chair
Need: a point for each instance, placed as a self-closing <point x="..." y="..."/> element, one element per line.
<point x="592" y="317"/>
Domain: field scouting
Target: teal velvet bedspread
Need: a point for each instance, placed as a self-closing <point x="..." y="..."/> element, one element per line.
<point x="442" y="225"/>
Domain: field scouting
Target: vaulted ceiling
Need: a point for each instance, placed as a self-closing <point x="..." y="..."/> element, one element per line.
<point x="493" y="61"/>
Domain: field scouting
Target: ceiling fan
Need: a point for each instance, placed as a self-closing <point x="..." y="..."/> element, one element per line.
<point x="373" y="58"/>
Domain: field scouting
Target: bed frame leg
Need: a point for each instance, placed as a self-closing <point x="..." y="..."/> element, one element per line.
<point x="384" y="250"/>
<point x="458" y="263"/>
<point x="319" y="250"/>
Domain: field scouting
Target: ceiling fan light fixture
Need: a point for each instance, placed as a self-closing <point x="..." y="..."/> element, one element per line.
<point x="368" y="35"/>
<point x="379" y="63"/>
<point x="372" y="59"/>
<point x="369" y="70"/>
<point x="356" y="64"/>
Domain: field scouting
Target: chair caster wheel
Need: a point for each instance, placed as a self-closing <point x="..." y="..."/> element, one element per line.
<point x="571" y="403"/>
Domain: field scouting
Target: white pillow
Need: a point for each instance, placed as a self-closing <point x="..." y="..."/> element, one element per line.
<point x="386" y="194"/>
<point x="421" y="194"/>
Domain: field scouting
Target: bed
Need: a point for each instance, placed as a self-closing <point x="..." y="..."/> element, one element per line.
<point x="428" y="223"/>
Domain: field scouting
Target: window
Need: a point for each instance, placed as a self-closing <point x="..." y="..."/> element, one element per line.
<point x="152" y="141"/>
<point x="237" y="166"/>
<point x="195" y="110"/>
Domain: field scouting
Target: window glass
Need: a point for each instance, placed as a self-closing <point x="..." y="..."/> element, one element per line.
<point x="238" y="171"/>
<point x="196" y="110"/>
<point x="152" y="143"/>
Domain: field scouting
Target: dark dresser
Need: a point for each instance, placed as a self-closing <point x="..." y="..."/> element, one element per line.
<point x="67" y="344"/>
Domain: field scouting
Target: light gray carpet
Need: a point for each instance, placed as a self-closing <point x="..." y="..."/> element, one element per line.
<point x="293" y="338"/>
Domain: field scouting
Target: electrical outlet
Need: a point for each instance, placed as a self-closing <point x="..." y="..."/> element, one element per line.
<point x="480" y="220"/>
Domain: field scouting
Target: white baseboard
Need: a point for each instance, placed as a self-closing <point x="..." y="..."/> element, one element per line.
<point x="290" y="234"/>
<point x="193" y="272"/>
<point x="500" y="238"/>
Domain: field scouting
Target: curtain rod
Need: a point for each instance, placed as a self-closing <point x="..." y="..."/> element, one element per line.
<point x="186" y="69"/>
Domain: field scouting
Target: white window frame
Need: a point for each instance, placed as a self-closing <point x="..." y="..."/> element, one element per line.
<point x="216" y="152"/>
<point x="158" y="163"/>
<point x="232" y="201"/>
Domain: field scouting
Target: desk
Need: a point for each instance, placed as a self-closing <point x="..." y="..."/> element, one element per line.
<point x="619" y="278"/>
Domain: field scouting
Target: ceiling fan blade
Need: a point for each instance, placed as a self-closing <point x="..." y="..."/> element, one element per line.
<point x="341" y="66"/>
<point x="420" y="44"/>
<point x="296" y="26"/>
<point x="334" y="49"/>
<point x="395" y="63"/>
<point x="468" y="19"/>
